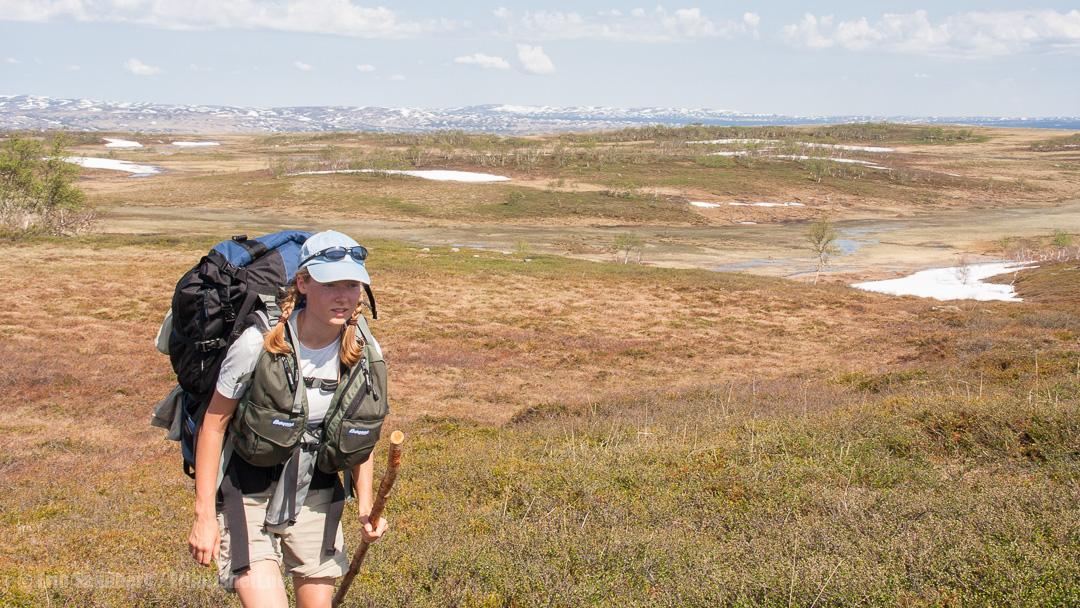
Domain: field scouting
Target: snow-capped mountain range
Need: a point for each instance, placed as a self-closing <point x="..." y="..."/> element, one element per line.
<point x="36" y="112"/>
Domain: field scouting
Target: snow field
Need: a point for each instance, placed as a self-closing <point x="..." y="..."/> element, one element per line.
<point x="957" y="283"/>
<point x="712" y="205"/>
<point x="121" y="143"/>
<point x="437" y="175"/>
<point x="115" y="165"/>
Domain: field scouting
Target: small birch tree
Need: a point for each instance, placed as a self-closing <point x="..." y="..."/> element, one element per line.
<point x="626" y="243"/>
<point x="821" y="236"/>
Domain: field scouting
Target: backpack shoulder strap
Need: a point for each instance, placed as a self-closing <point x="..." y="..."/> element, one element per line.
<point x="273" y="311"/>
<point x="371" y="301"/>
<point x="365" y="330"/>
<point x="300" y="393"/>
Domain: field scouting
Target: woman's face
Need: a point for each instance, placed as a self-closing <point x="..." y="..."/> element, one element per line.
<point x="332" y="303"/>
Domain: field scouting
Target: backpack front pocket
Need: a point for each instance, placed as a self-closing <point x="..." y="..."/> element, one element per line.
<point x="353" y="428"/>
<point x="267" y="436"/>
<point x="354" y="441"/>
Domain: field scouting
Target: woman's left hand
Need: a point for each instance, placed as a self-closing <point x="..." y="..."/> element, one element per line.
<point x="371" y="535"/>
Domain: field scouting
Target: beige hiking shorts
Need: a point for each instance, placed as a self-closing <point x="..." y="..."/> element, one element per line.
<point x="298" y="547"/>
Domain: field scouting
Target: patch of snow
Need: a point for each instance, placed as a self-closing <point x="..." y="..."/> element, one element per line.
<point x="115" y="165"/>
<point x="121" y="143"/>
<point x="866" y="163"/>
<point x="437" y="175"/>
<point x="957" y="283"/>
<point x="519" y="109"/>
<point x="767" y="204"/>
<point x="754" y="223"/>
<point x="736" y="141"/>
<point x="865" y="148"/>
<point x="701" y="204"/>
<point x="194" y="144"/>
<point x="807" y="144"/>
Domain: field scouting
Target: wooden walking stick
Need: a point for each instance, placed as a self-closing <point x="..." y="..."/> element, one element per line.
<point x="373" y="518"/>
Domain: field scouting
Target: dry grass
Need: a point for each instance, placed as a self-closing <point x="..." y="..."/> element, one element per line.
<point x="580" y="434"/>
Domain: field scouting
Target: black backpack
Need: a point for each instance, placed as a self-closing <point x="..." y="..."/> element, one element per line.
<point x="232" y="287"/>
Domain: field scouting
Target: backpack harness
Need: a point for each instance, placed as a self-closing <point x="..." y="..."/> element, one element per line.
<point x="270" y="427"/>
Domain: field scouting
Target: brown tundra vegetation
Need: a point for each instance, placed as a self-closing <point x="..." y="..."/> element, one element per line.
<point x="579" y="431"/>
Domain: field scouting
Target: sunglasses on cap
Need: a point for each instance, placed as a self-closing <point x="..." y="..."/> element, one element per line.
<point x="336" y="254"/>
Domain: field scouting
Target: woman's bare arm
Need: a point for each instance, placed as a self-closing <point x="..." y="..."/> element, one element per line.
<point x="204" y="542"/>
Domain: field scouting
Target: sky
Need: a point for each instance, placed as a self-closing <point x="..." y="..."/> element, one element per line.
<point x="807" y="58"/>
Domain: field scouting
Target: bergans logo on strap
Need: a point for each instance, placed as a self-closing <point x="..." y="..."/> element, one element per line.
<point x="359" y="431"/>
<point x="285" y="423"/>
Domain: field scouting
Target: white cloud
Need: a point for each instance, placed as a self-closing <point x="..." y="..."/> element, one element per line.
<point x="637" y="26"/>
<point x="484" y="61"/>
<point x="196" y="68"/>
<point x="73" y="68"/>
<point x="11" y="60"/>
<point x="752" y="21"/>
<point x="922" y="75"/>
<point x="139" y="68"/>
<point x="534" y="60"/>
<point x="397" y="77"/>
<point x="365" y="67"/>
<point x="300" y="65"/>
<point x="338" y="17"/>
<point x="971" y="35"/>
<point x="807" y="33"/>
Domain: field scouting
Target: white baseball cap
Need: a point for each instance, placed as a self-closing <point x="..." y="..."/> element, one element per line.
<point x="332" y="256"/>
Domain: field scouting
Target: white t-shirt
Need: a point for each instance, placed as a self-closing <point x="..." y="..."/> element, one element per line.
<point x="314" y="363"/>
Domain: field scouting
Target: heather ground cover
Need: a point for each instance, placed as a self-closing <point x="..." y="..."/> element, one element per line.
<point x="582" y="434"/>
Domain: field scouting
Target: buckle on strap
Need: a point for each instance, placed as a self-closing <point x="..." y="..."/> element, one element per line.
<point x="230" y="269"/>
<point x="208" y="345"/>
<point x="321" y="384"/>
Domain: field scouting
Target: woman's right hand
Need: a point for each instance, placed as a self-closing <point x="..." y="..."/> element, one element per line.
<point x="204" y="542"/>
<point x="204" y="539"/>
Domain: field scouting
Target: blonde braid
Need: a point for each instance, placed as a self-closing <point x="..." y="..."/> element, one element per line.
<point x="275" y="340"/>
<point x="352" y="340"/>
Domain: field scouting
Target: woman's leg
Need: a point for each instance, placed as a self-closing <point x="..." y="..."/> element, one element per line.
<point x="262" y="587"/>
<point x="313" y="592"/>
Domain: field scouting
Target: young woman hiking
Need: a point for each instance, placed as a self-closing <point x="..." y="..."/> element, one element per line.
<point x="266" y="517"/>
